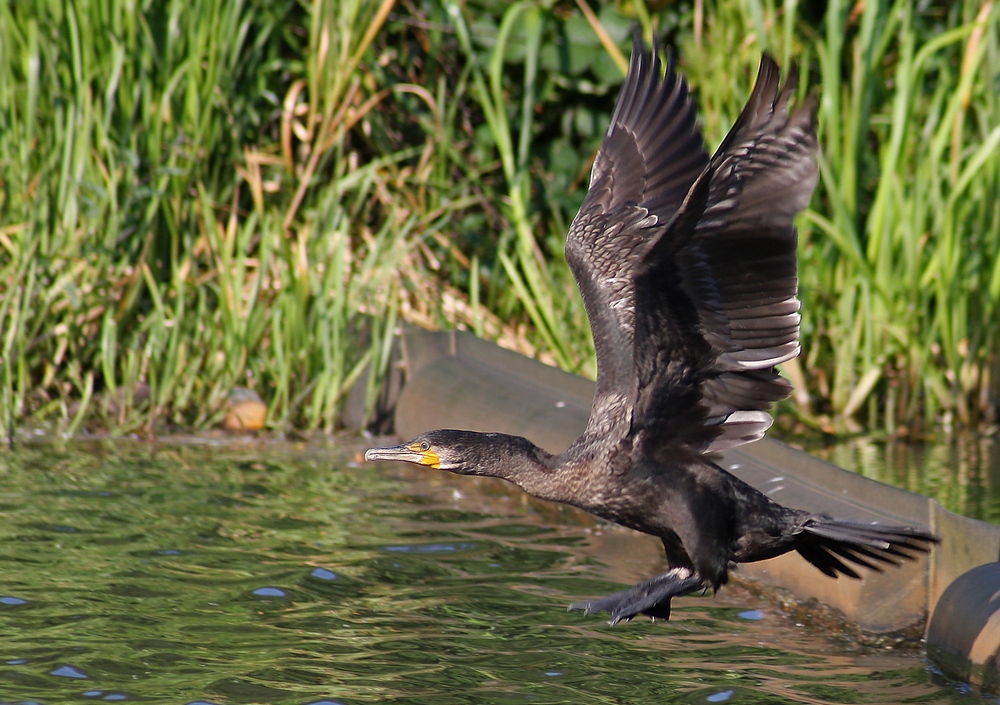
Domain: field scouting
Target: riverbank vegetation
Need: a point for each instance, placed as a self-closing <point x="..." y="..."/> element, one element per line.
<point x="202" y="195"/>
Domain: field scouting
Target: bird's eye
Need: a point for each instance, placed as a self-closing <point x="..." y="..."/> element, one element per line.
<point x="424" y="445"/>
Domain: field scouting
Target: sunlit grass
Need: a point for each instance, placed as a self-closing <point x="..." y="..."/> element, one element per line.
<point x="152" y="250"/>
<point x="900" y="253"/>
<point x="201" y="195"/>
<point x="901" y="269"/>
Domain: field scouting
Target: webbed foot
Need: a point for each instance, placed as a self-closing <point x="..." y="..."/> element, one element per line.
<point x="650" y="597"/>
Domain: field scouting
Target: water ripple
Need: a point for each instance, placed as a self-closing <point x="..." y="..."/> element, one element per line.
<point x="207" y="575"/>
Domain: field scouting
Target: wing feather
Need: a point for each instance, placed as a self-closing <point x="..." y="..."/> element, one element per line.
<point x="651" y="154"/>
<point x="716" y="294"/>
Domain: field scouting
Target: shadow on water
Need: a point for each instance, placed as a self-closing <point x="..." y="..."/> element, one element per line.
<point x="266" y="573"/>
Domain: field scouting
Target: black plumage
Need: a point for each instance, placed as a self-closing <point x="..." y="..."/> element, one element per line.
<point x="687" y="268"/>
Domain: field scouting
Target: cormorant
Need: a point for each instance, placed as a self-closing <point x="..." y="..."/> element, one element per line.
<point x="687" y="268"/>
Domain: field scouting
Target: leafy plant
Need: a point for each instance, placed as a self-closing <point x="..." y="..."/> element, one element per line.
<point x="203" y="195"/>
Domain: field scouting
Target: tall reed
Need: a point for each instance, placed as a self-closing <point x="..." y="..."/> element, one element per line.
<point x="205" y="194"/>
<point x="902" y="271"/>
<point x="180" y="218"/>
<point x="900" y="252"/>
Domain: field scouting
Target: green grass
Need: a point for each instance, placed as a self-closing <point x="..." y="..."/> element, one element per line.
<point x="202" y="195"/>
<point x="906" y="250"/>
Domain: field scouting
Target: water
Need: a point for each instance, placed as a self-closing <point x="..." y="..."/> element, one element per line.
<point x="963" y="473"/>
<point x="262" y="573"/>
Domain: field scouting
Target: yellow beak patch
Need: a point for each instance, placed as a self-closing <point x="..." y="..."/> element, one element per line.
<point x="427" y="456"/>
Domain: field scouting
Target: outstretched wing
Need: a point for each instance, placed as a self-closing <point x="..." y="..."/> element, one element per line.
<point x="651" y="154"/>
<point x="716" y="293"/>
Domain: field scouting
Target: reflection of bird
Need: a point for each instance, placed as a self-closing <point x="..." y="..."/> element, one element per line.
<point x="686" y="265"/>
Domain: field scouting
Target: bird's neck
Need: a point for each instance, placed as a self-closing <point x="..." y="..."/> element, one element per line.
<point x="521" y="462"/>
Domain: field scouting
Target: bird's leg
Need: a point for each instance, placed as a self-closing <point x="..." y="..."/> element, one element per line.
<point x="650" y="597"/>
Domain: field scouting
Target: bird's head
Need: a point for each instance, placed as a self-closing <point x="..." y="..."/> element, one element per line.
<point x="442" y="450"/>
<point x="463" y="452"/>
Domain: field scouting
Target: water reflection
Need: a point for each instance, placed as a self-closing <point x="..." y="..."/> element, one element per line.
<point x="280" y="574"/>
<point x="963" y="473"/>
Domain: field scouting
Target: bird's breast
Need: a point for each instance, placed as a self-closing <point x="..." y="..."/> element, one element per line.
<point x="623" y="497"/>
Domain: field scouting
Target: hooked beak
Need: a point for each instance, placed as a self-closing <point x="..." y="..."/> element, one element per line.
<point x="405" y="454"/>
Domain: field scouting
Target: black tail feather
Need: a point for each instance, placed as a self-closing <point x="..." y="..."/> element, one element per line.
<point x="827" y="562"/>
<point x="832" y="544"/>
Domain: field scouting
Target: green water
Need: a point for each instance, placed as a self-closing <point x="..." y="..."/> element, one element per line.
<point x="262" y="573"/>
<point x="962" y="473"/>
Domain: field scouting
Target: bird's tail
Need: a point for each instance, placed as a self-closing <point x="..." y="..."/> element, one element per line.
<point x="835" y="546"/>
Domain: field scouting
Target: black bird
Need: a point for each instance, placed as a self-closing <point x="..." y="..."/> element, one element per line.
<point x="687" y="269"/>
